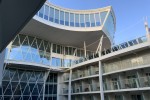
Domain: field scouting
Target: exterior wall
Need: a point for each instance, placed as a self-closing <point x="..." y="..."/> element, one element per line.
<point x="28" y="84"/>
<point x="2" y="58"/>
<point x="127" y="78"/>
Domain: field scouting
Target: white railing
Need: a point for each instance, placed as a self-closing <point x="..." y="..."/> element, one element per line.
<point x="127" y="83"/>
<point x="131" y="62"/>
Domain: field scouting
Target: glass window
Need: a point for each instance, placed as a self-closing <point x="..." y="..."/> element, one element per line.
<point x="56" y="62"/>
<point x="97" y="18"/>
<point x="92" y="19"/>
<point x="67" y="62"/>
<point x="103" y="16"/>
<point x="78" y="53"/>
<point x="70" y="51"/>
<point x="87" y="20"/>
<point x="82" y="23"/>
<point x="56" y="16"/>
<point x="109" y="24"/>
<point x="61" y="17"/>
<point x="66" y="51"/>
<point x="41" y="12"/>
<point x="51" y="17"/>
<point x="58" y="49"/>
<point x="66" y="18"/>
<point x="77" y="20"/>
<point x="54" y="48"/>
<point x="46" y="12"/>
<point x="71" y="19"/>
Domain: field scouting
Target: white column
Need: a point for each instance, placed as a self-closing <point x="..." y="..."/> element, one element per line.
<point x="84" y="49"/>
<point x="45" y="78"/>
<point x="69" y="87"/>
<point x="101" y="81"/>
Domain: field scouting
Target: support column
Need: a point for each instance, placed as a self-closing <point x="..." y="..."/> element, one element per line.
<point x="69" y="87"/>
<point x="84" y="49"/>
<point x="101" y="81"/>
<point x="45" y="78"/>
<point x="2" y="58"/>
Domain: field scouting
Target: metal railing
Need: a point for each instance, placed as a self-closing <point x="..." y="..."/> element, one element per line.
<point x="85" y="73"/>
<point x="126" y="63"/>
<point x="66" y="77"/>
<point x="112" y="49"/>
<point x="86" y="88"/>
<point x="65" y="91"/>
<point x="127" y="84"/>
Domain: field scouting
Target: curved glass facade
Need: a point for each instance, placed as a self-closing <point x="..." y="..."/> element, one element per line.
<point x="35" y="50"/>
<point x="21" y="84"/>
<point x="109" y="24"/>
<point x="72" y="19"/>
<point x="81" y="19"/>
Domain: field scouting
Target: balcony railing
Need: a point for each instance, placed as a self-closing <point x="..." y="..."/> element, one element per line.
<point x="65" y="91"/>
<point x="112" y="49"/>
<point x="127" y="63"/>
<point x="66" y="78"/>
<point x="127" y="84"/>
<point x="85" y="73"/>
<point x="86" y="88"/>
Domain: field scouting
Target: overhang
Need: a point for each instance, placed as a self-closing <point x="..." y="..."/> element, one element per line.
<point x="64" y="35"/>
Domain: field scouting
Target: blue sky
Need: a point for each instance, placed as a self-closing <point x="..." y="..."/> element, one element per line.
<point x="129" y="14"/>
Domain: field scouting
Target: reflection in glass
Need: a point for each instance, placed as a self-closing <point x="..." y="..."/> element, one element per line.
<point x="67" y="63"/>
<point x="87" y="20"/>
<point x="82" y="23"/>
<point x="97" y="18"/>
<point x="46" y="12"/>
<point x="66" y="18"/>
<point x="41" y="11"/>
<point x="103" y="16"/>
<point x="62" y="18"/>
<point x="51" y="17"/>
<point x="56" y="16"/>
<point x="56" y="62"/>
<point x="77" y="20"/>
<point x="16" y="88"/>
<point x="109" y="24"/>
<point x="92" y="19"/>
<point x="71" y="19"/>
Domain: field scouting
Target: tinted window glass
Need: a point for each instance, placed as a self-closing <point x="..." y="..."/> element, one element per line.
<point x="41" y="12"/>
<point x="56" y="16"/>
<point x="51" y="18"/>
<point x="97" y="18"/>
<point x="87" y="20"/>
<point x="82" y="23"/>
<point x="103" y="15"/>
<point x="66" y="18"/>
<point x="61" y="17"/>
<point x="92" y="19"/>
<point x="71" y="19"/>
<point x="46" y="12"/>
<point x="77" y="20"/>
